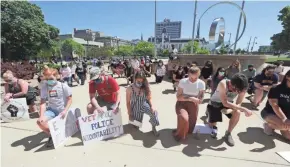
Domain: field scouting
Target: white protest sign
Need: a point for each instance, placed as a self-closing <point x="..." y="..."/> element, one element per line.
<point x="285" y="155"/>
<point x="160" y="72"/>
<point x="61" y="129"/>
<point x="97" y="127"/>
<point x="15" y="110"/>
<point x="203" y="129"/>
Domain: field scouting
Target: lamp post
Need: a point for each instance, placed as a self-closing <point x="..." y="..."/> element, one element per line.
<point x="88" y="32"/>
<point x="254" y="42"/>
<point x="193" y="28"/>
<point x="117" y="42"/>
<point x="155" y="21"/>
<point x="238" y="29"/>
<point x="248" y="49"/>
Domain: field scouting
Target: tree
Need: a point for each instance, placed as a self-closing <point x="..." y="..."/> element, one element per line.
<point x="238" y="51"/>
<point x="102" y="51"/>
<point x="70" y="46"/>
<point x="223" y="50"/>
<point x="187" y="47"/>
<point x="203" y="51"/>
<point x="144" y="49"/>
<point x="124" y="50"/>
<point x="24" y="32"/>
<point x="281" y="41"/>
<point x="243" y="51"/>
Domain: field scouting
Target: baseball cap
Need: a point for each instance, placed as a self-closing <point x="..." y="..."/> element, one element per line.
<point x="95" y="73"/>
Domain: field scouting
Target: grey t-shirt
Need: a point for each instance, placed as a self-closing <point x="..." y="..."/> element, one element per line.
<point x="56" y="95"/>
<point x="231" y="71"/>
<point x="249" y="74"/>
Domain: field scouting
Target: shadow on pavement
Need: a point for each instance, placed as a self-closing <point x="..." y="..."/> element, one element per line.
<point x="247" y="105"/>
<point x="30" y="142"/>
<point x="149" y="140"/>
<point x="256" y="135"/>
<point x="194" y="146"/>
<point x="168" y="91"/>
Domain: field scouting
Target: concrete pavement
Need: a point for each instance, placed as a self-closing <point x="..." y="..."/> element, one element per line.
<point x="23" y="144"/>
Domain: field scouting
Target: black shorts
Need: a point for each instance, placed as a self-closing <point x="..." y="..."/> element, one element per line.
<point x="215" y="114"/>
<point x="265" y="113"/>
<point x="30" y="100"/>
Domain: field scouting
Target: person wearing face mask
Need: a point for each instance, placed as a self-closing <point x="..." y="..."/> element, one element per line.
<point x="186" y="68"/>
<point x="250" y="72"/>
<point x="219" y="75"/>
<point x="81" y="72"/>
<point x="177" y="76"/>
<point x="139" y="101"/>
<point x="206" y="71"/>
<point x="66" y="75"/>
<point x="147" y="68"/>
<point x="129" y="72"/>
<point x="59" y="98"/>
<point x="262" y="84"/>
<point x="222" y="101"/>
<point x="18" y="88"/>
<point x="190" y="94"/>
<point x="233" y="69"/>
<point x="108" y="92"/>
<point x="276" y="113"/>
<point x="160" y="72"/>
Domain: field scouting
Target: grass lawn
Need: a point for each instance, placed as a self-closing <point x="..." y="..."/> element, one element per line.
<point x="273" y="59"/>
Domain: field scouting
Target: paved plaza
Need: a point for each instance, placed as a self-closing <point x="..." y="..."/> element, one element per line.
<point x="23" y="142"/>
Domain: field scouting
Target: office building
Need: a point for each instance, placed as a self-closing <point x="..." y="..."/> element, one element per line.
<point x="172" y="29"/>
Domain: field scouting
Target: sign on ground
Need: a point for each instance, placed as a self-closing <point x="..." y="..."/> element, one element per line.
<point x="15" y="110"/>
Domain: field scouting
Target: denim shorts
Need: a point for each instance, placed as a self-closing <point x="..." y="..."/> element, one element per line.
<point x="51" y="113"/>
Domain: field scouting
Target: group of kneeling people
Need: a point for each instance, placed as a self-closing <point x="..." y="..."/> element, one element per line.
<point x="190" y="94"/>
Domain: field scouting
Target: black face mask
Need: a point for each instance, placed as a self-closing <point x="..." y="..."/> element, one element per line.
<point x="250" y="69"/>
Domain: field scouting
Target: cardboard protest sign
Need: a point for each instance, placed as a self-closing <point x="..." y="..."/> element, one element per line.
<point x="61" y="129"/>
<point x="15" y="110"/>
<point x="285" y="155"/>
<point x="202" y="128"/>
<point x="97" y="127"/>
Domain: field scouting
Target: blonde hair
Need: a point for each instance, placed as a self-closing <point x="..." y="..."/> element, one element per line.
<point x="8" y="75"/>
<point x="50" y="71"/>
<point x="194" y="70"/>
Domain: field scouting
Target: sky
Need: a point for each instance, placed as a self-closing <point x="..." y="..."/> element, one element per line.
<point x="128" y="20"/>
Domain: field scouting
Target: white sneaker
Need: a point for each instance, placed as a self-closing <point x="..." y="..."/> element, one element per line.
<point x="267" y="130"/>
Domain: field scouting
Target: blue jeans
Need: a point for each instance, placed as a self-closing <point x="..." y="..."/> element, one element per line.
<point x="51" y="113"/>
<point x="68" y="80"/>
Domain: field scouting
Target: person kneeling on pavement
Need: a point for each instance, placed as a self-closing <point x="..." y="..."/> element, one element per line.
<point x="222" y="101"/>
<point x="59" y="96"/>
<point x="277" y="111"/>
<point x="139" y="101"/>
<point x="108" y="92"/>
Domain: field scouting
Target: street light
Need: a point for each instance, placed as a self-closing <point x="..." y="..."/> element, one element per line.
<point x="88" y="32"/>
<point x="117" y="41"/>
<point x="254" y="42"/>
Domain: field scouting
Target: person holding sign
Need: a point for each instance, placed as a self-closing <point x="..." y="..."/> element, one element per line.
<point x="59" y="97"/>
<point x="108" y="92"/>
<point x="222" y="102"/>
<point x="18" y="88"/>
<point x="190" y="94"/>
<point x="160" y="72"/>
<point x="139" y="101"/>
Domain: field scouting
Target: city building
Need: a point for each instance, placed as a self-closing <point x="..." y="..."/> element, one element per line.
<point x="266" y="49"/>
<point x="172" y="29"/>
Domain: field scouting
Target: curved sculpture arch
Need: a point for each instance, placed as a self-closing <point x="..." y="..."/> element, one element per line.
<point x="230" y="3"/>
<point x="213" y="28"/>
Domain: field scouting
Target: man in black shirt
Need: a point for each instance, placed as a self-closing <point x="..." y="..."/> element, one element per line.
<point x="277" y="111"/>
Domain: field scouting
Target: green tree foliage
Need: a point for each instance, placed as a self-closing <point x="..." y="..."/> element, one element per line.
<point x="203" y="51"/>
<point x="223" y="50"/>
<point x="187" y="47"/>
<point x="102" y="51"/>
<point x="24" y="32"/>
<point x="238" y="51"/>
<point x="281" y="41"/>
<point x="243" y="51"/>
<point x="124" y="50"/>
<point x="70" y="46"/>
<point x="144" y="48"/>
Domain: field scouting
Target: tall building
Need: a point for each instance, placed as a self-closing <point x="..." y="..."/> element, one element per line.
<point x="171" y="28"/>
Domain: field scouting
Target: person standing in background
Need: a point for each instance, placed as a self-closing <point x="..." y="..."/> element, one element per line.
<point x="65" y="72"/>
<point x="81" y="72"/>
<point x="233" y="69"/>
<point x="160" y="72"/>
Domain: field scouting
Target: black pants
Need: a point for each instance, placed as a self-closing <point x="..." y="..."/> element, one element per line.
<point x="82" y="78"/>
<point x="158" y="79"/>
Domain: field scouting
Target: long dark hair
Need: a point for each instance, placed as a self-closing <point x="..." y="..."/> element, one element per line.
<point x="209" y="62"/>
<point x="217" y="72"/>
<point x="145" y="86"/>
<point x="284" y="81"/>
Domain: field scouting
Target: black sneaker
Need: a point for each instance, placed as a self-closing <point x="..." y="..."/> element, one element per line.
<point x="214" y="132"/>
<point x="49" y="143"/>
<point x="229" y="139"/>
